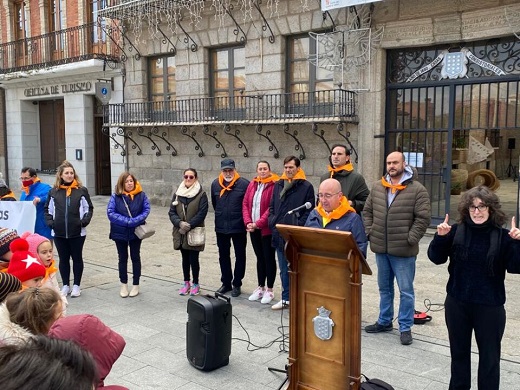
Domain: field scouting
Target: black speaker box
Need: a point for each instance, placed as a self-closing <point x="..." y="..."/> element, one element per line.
<point x="208" y="331"/>
<point x="511" y="143"/>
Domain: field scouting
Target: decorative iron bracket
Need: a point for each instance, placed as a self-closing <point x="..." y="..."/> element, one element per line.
<point x="127" y="134"/>
<point x="141" y="132"/>
<point x="109" y="31"/>
<point x="265" y="25"/>
<point x="185" y="131"/>
<point x="137" y="55"/>
<point x="298" y="146"/>
<point x="120" y="131"/>
<point x="193" y="47"/>
<point x="241" y="144"/>
<point x="155" y="132"/>
<point x="272" y="146"/>
<point x="173" y="49"/>
<point x="319" y="134"/>
<point x="243" y="38"/>
<point x="325" y="14"/>
<point x="213" y="135"/>
<point x="346" y="135"/>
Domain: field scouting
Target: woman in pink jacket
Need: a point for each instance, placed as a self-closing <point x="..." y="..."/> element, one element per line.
<point x="255" y="211"/>
<point x="104" y="344"/>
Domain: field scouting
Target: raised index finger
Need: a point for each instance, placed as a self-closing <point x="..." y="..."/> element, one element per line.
<point x="446" y="220"/>
<point x="513" y="224"/>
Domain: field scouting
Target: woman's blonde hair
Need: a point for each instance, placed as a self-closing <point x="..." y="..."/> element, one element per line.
<point x="34" y="308"/>
<point x="61" y="168"/>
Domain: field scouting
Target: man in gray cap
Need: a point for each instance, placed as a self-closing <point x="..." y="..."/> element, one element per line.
<point x="227" y="195"/>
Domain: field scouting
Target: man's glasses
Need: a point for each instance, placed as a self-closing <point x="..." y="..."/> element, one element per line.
<point x="190" y="177"/>
<point x="480" y="207"/>
<point x="327" y="196"/>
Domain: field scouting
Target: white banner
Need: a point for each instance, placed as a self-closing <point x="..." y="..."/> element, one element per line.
<point x="20" y="216"/>
<point x="327" y="5"/>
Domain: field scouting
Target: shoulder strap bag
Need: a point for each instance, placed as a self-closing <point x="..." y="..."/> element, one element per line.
<point x="142" y="231"/>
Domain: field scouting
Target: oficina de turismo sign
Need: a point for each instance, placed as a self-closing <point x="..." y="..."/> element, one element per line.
<point x="327" y="5"/>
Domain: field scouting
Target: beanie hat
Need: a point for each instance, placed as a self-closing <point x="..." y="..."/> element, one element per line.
<point x="24" y="265"/>
<point x="6" y="237"/>
<point x="8" y="284"/>
<point x="34" y="240"/>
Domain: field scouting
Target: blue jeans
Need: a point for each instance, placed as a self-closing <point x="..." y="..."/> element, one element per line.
<point x="283" y="264"/>
<point x="403" y="270"/>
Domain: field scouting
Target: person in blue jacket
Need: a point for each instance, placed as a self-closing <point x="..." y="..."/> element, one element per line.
<point x="335" y="213"/>
<point x="227" y="196"/>
<point x="127" y="208"/>
<point x="36" y="191"/>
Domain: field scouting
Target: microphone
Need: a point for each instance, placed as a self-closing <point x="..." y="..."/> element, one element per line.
<point x="307" y="206"/>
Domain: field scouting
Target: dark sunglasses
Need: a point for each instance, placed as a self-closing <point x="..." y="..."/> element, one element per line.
<point x="189" y="177"/>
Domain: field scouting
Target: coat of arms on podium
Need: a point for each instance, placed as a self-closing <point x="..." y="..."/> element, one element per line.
<point x="323" y="324"/>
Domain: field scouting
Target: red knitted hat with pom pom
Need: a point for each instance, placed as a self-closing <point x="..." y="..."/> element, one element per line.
<point x="24" y="265"/>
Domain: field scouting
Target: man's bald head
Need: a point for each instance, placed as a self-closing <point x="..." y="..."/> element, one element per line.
<point x="330" y="194"/>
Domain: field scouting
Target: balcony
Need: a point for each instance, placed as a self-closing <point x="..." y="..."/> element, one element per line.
<point x="333" y="106"/>
<point x="80" y="43"/>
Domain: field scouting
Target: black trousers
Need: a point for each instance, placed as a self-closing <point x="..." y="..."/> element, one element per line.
<point x="190" y="259"/>
<point x="135" y="256"/>
<point x="265" y="258"/>
<point x="67" y="248"/>
<point x="488" y="323"/>
<point x="229" y="278"/>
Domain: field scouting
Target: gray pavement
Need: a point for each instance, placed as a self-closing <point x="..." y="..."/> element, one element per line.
<point x="154" y="323"/>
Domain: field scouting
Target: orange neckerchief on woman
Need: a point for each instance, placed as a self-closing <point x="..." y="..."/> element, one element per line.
<point x="9" y="195"/>
<point x="393" y="187"/>
<point x="231" y="183"/>
<point x="137" y="189"/>
<point x="73" y="185"/>
<point x="274" y="177"/>
<point x="347" y="167"/>
<point x="50" y="269"/>
<point x="26" y="188"/>
<point x="299" y="175"/>
<point x="343" y="208"/>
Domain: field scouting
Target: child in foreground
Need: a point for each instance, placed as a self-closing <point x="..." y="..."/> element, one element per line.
<point x="25" y="265"/>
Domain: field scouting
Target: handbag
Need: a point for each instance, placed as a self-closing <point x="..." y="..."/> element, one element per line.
<point x="374" y="384"/>
<point x="142" y="231"/>
<point x="196" y="236"/>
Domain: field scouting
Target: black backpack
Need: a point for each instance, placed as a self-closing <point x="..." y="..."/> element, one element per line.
<point x="375" y="384"/>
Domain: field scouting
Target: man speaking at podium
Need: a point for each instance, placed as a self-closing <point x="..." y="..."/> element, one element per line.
<point x="335" y="213"/>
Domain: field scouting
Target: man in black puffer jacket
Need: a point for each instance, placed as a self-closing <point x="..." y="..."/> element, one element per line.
<point x="291" y="191"/>
<point x="227" y="195"/>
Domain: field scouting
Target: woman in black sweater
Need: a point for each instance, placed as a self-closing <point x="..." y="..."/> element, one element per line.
<point x="480" y="253"/>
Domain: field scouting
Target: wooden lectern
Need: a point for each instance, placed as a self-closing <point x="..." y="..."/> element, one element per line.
<point x="325" y="268"/>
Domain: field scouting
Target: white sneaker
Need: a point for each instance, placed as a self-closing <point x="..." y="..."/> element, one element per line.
<point x="280" y="305"/>
<point x="65" y="290"/>
<point x="267" y="298"/>
<point x="76" y="291"/>
<point x="257" y="294"/>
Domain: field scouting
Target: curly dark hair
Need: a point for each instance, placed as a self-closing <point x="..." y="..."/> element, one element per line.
<point x="496" y="216"/>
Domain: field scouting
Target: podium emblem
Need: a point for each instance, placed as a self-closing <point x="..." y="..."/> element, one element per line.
<point x="323" y="324"/>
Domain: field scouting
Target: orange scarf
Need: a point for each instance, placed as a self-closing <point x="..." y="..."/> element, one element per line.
<point x="300" y="175"/>
<point x="230" y="185"/>
<point x="51" y="269"/>
<point x="137" y="189"/>
<point x="393" y="187"/>
<point x="73" y="185"/>
<point x="26" y="189"/>
<point x="343" y="208"/>
<point x="9" y="195"/>
<point x="274" y="177"/>
<point x="347" y="167"/>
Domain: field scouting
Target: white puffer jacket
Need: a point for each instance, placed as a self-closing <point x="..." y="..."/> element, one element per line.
<point x="11" y="333"/>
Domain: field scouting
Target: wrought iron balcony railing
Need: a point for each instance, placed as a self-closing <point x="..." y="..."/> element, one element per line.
<point x="74" y="44"/>
<point x="322" y="106"/>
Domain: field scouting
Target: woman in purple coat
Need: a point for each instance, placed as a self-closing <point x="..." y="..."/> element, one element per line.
<point x="128" y="208"/>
